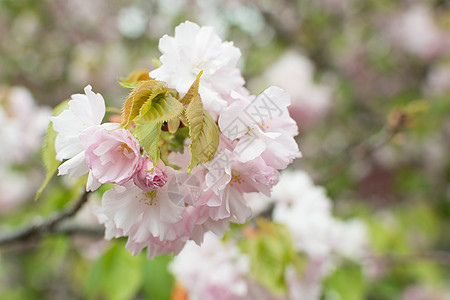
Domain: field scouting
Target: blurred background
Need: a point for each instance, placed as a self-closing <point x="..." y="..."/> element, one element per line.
<point x="370" y="89"/>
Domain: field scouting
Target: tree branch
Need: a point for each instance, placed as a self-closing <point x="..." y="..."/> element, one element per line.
<point x="38" y="229"/>
<point x="97" y="231"/>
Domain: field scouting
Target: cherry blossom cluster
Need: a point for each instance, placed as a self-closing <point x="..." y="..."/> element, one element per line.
<point x="192" y="141"/>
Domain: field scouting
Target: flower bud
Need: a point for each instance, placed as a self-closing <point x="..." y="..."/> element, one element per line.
<point x="149" y="177"/>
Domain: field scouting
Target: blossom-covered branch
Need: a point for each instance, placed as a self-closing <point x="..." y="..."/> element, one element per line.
<point x="190" y="142"/>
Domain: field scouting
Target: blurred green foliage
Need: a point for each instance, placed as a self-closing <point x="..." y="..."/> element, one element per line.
<point x="402" y="191"/>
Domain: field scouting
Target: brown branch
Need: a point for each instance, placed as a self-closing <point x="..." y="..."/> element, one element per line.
<point x="97" y="231"/>
<point x="38" y="229"/>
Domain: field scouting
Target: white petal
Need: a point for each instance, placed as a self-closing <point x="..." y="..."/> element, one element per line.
<point x="249" y="148"/>
<point x="92" y="183"/>
<point x="75" y="166"/>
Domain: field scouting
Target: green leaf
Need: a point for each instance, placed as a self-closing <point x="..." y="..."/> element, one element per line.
<point x="158" y="281"/>
<point x="145" y="91"/>
<point x="134" y="79"/>
<point x="161" y="108"/>
<point x="271" y="250"/>
<point x="116" y="275"/>
<point x="175" y="142"/>
<point x="348" y="281"/>
<point x="193" y="90"/>
<point x="267" y="263"/>
<point x="203" y="132"/>
<point x="130" y="85"/>
<point x="148" y="136"/>
<point x="49" y="152"/>
<point x="172" y="143"/>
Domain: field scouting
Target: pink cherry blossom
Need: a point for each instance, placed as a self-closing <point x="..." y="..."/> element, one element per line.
<point x="193" y="225"/>
<point x="84" y="111"/>
<point x="203" y="223"/>
<point x="124" y="214"/>
<point x="130" y="211"/>
<point x="263" y="128"/>
<point x="228" y="179"/>
<point x="194" y="49"/>
<point x="113" y="155"/>
<point x="156" y="247"/>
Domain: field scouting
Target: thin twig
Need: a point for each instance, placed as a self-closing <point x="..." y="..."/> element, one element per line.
<point x="41" y="228"/>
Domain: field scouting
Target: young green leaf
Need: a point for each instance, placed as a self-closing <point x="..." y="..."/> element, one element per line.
<point x="161" y="108"/>
<point x="148" y="135"/>
<point x="145" y="91"/>
<point x="138" y="75"/>
<point x="134" y="79"/>
<point x="129" y="85"/>
<point x="172" y="125"/>
<point x="193" y="90"/>
<point x="203" y="132"/>
<point x="49" y="152"/>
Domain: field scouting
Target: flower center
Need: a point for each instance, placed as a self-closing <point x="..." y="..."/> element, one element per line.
<point x="197" y="67"/>
<point x="235" y="178"/>
<point x="124" y="147"/>
<point x="149" y="198"/>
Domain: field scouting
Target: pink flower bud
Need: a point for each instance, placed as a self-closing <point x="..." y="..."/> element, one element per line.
<point x="149" y="178"/>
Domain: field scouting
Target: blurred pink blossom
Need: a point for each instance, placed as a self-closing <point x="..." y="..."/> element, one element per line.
<point x="23" y="125"/>
<point x="416" y="31"/>
<point x="306" y="211"/>
<point x="438" y="80"/>
<point x="213" y="271"/>
<point x="310" y="101"/>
